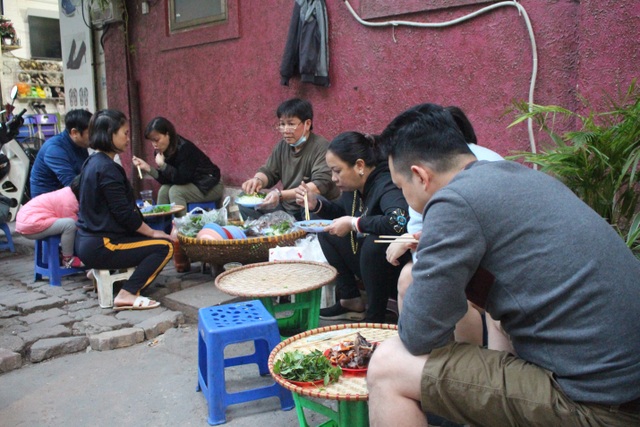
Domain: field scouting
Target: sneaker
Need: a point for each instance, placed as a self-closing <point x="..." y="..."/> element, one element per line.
<point x="338" y="312"/>
<point x="72" y="262"/>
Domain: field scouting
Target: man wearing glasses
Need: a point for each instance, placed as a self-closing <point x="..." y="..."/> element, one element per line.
<point x="299" y="156"/>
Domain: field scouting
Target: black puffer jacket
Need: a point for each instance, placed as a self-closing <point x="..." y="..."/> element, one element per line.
<point x="189" y="165"/>
<point x="382" y="208"/>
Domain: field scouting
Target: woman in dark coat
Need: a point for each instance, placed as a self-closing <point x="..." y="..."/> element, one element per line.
<point x="370" y="205"/>
<point x="187" y="175"/>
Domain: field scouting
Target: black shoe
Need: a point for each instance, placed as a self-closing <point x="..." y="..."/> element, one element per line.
<point x="338" y="312"/>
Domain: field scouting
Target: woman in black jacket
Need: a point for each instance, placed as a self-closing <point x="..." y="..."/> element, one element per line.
<point x="370" y="205"/>
<point x="111" y="231"/>
<point x="187" y="175"/>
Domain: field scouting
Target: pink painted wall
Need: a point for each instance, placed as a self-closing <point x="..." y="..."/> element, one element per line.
<point x="223" y="95"/>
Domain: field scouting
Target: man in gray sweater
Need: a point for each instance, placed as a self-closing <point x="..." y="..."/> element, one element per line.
<point x="562" y="286"/>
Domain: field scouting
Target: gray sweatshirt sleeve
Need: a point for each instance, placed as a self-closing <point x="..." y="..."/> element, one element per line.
<point x="449" y="253"/>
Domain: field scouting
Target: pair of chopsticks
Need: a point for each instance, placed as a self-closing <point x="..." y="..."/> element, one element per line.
<point x="396" y="239"/>
<point x="306" y="207"/>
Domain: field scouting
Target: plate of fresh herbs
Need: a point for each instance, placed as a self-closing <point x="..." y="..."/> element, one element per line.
<point x="250" y="200"/>
<point x="306" y="369"/>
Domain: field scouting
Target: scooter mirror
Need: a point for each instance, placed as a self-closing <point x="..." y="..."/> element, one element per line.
<point x="14" y="93"/>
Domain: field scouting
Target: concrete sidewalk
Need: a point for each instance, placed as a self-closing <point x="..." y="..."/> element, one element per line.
<point x="64" y="361"/>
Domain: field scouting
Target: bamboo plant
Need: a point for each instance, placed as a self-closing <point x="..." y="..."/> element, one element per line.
<point x="598" y="162"/>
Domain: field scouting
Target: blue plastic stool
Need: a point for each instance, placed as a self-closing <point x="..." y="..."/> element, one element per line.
<point x="204" y="205"/>
<point x="221" y="325"/>
<point x="9" y="243"/>
<point x="47" y="261"/>
<point x="162" y="222"/>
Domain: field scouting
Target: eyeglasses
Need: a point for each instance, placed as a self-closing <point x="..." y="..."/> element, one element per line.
<point x="281" y="127"/>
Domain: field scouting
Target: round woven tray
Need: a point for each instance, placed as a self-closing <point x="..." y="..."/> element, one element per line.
<point x="173" y="210"/>
<point x="349" y="387"/>
<point x="246" y="251"/>
<point x="272" y="279"/>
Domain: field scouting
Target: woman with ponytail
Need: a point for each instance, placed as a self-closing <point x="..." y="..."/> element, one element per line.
<point x="370" y="205"/>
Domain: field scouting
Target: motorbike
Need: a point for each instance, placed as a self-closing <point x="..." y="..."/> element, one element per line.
<point x="14" y="162"/>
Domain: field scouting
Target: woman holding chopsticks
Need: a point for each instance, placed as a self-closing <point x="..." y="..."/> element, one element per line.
<point x="370" y="206"/>
<point x="185" y="172"/>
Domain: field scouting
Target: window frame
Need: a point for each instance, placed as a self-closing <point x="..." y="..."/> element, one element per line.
<point x="205" y="33"/>
<point x="196" y="23"/>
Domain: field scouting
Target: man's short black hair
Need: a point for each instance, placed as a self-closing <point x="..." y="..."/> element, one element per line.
<point x="296" y="107"/>
<point x="77" y="119"/>
<point x="426" y="133"/>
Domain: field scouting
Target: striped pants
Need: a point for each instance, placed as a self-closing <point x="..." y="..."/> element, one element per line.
<point x="148" y="255"/>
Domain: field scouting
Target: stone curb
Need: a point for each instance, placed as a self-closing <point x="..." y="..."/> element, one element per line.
<point x="51" y="347"/>
<point x="116" y="339"/>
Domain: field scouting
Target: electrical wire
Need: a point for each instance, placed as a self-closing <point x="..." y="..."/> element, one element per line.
<point x="522" y="12"/>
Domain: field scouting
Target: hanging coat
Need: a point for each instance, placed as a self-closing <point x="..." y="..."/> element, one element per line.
<point x="307" y="50"/>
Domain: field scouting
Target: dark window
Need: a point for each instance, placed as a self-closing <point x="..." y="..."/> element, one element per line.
<point x="370" y="9"/>
<point x="193" y="13"/>
<point x="44" y="38"/>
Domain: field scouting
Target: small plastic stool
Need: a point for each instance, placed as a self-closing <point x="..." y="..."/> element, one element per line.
<point x="221" y="325"/>
<point x="47" y="261"/>
<point x="104" y="283"/>
<point x="161" y="222"/>
<point x="301" y="314"/>
<point x="204" y="205"/>
<point x="9" y="242"/>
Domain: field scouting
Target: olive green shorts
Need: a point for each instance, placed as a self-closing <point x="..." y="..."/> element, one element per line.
<point x="469" y="384"/>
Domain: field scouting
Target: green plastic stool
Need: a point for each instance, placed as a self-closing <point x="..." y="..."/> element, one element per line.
<point x="305" y="312"/>
<point x="349" y="414"/>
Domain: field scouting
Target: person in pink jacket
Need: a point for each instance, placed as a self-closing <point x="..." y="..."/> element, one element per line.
<point x="53" y="213"/>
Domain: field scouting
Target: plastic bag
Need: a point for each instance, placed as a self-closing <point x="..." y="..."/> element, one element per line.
<point x="271" y="224"/>
<point x="191" y="223"/>
<point x="310" y="248"/>
<point x="306" y="249"/>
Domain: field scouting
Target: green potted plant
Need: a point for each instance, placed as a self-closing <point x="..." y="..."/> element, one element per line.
<point x="7" y="33"/>
<point x="599" y="161"/>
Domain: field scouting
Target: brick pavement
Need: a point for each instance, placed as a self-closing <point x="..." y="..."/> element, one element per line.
<point x="39" y="321"/>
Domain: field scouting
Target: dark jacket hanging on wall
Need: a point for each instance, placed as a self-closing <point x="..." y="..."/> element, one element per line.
<point x="307" y="49"/>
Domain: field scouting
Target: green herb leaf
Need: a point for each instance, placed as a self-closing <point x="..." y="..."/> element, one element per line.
<point x="309" y="367"/>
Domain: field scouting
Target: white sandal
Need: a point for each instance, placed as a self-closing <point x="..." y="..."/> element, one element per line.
<point x="140" y="303"/>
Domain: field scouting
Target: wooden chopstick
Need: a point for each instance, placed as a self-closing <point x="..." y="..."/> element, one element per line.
<point x="139" y="172"/>
<point x="306" y="207"/>
<point x="396" y="239"/>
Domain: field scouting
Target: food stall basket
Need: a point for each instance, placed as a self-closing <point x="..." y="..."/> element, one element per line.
<point x="245" y="251"/>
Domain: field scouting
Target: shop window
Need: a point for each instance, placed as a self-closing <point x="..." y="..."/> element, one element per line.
<point x="194" y="13"/>
<point x="44" y="36"/>
<point x="370" y="9"/>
